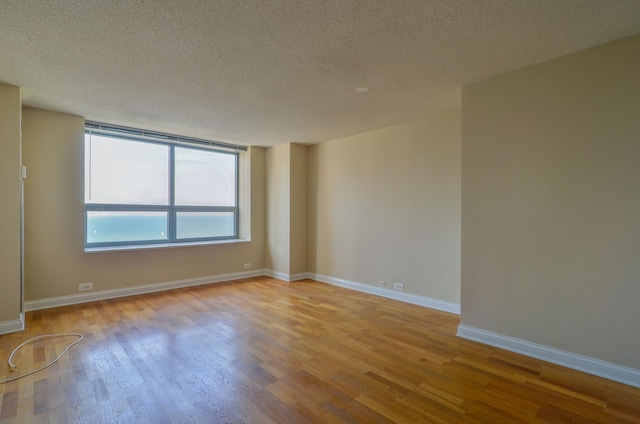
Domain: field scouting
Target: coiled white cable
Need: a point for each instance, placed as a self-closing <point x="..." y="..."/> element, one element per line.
<point x="46" y="336"/>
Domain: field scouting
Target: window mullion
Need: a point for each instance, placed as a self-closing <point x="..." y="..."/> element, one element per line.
<point x="172" y="195"/>
<point x="237" y="209"/>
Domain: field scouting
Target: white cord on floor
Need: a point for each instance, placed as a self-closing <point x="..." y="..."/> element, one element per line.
<point x="46" y="336"/>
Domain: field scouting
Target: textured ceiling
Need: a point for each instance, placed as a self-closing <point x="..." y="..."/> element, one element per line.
<point x="268" y="72"/>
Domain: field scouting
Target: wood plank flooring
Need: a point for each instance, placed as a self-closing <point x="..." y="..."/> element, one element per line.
<point x="265" y="351"/>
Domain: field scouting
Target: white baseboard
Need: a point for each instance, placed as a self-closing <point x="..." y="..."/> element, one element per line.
<point x="73" y="299"/>
<point x="429" y="302"/>
<point x="300" y="276"/>
<point x="619" y="373"/>
<point x="13" y="326"/>
<point x="286" y="277"/>
<point x="276" y="274"/>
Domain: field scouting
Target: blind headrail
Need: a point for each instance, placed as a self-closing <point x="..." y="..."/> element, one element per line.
<point x="110" y="129"/>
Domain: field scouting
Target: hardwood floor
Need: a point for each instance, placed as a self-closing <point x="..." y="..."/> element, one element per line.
<point x="265" y="351"/>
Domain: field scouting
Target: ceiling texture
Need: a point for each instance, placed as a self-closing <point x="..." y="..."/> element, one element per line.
<point x="265" y="72"/>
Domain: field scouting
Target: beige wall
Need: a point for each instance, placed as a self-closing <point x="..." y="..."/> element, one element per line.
<point x="10" y="208"/>
<point x="278" y="171"/>
<point x="298" y="205"/>
<point x="286" y="250"/>
<point x="386" y="205"/>
<point x="54" y="255"/>
<point x="551" y="203"/>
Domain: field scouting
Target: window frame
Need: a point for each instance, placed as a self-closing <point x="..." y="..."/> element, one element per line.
<point x="171" y="209"/>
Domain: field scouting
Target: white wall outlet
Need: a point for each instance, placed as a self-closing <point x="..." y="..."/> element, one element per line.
<point x="398" y="286"/>
<point x="247" y="265"/>
<point x="85" y="286"/>
<point x="382" y="283"/>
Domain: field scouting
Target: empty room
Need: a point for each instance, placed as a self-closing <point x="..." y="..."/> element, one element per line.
<point x="320" y="211"/>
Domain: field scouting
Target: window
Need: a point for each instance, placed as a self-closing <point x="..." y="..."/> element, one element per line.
<point x="140" y="190"/>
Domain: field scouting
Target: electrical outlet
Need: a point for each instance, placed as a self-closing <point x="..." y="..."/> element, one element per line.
<point x="398" y="286"/>
<point x="85" y="286"/>
<point x="247" y="265"/>
<point x="382" y="283"/>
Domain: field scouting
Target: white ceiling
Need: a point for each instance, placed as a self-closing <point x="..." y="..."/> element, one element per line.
<point x="265" y="72"/>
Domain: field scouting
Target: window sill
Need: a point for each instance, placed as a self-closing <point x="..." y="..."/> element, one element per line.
<point x="161" y="246"/>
